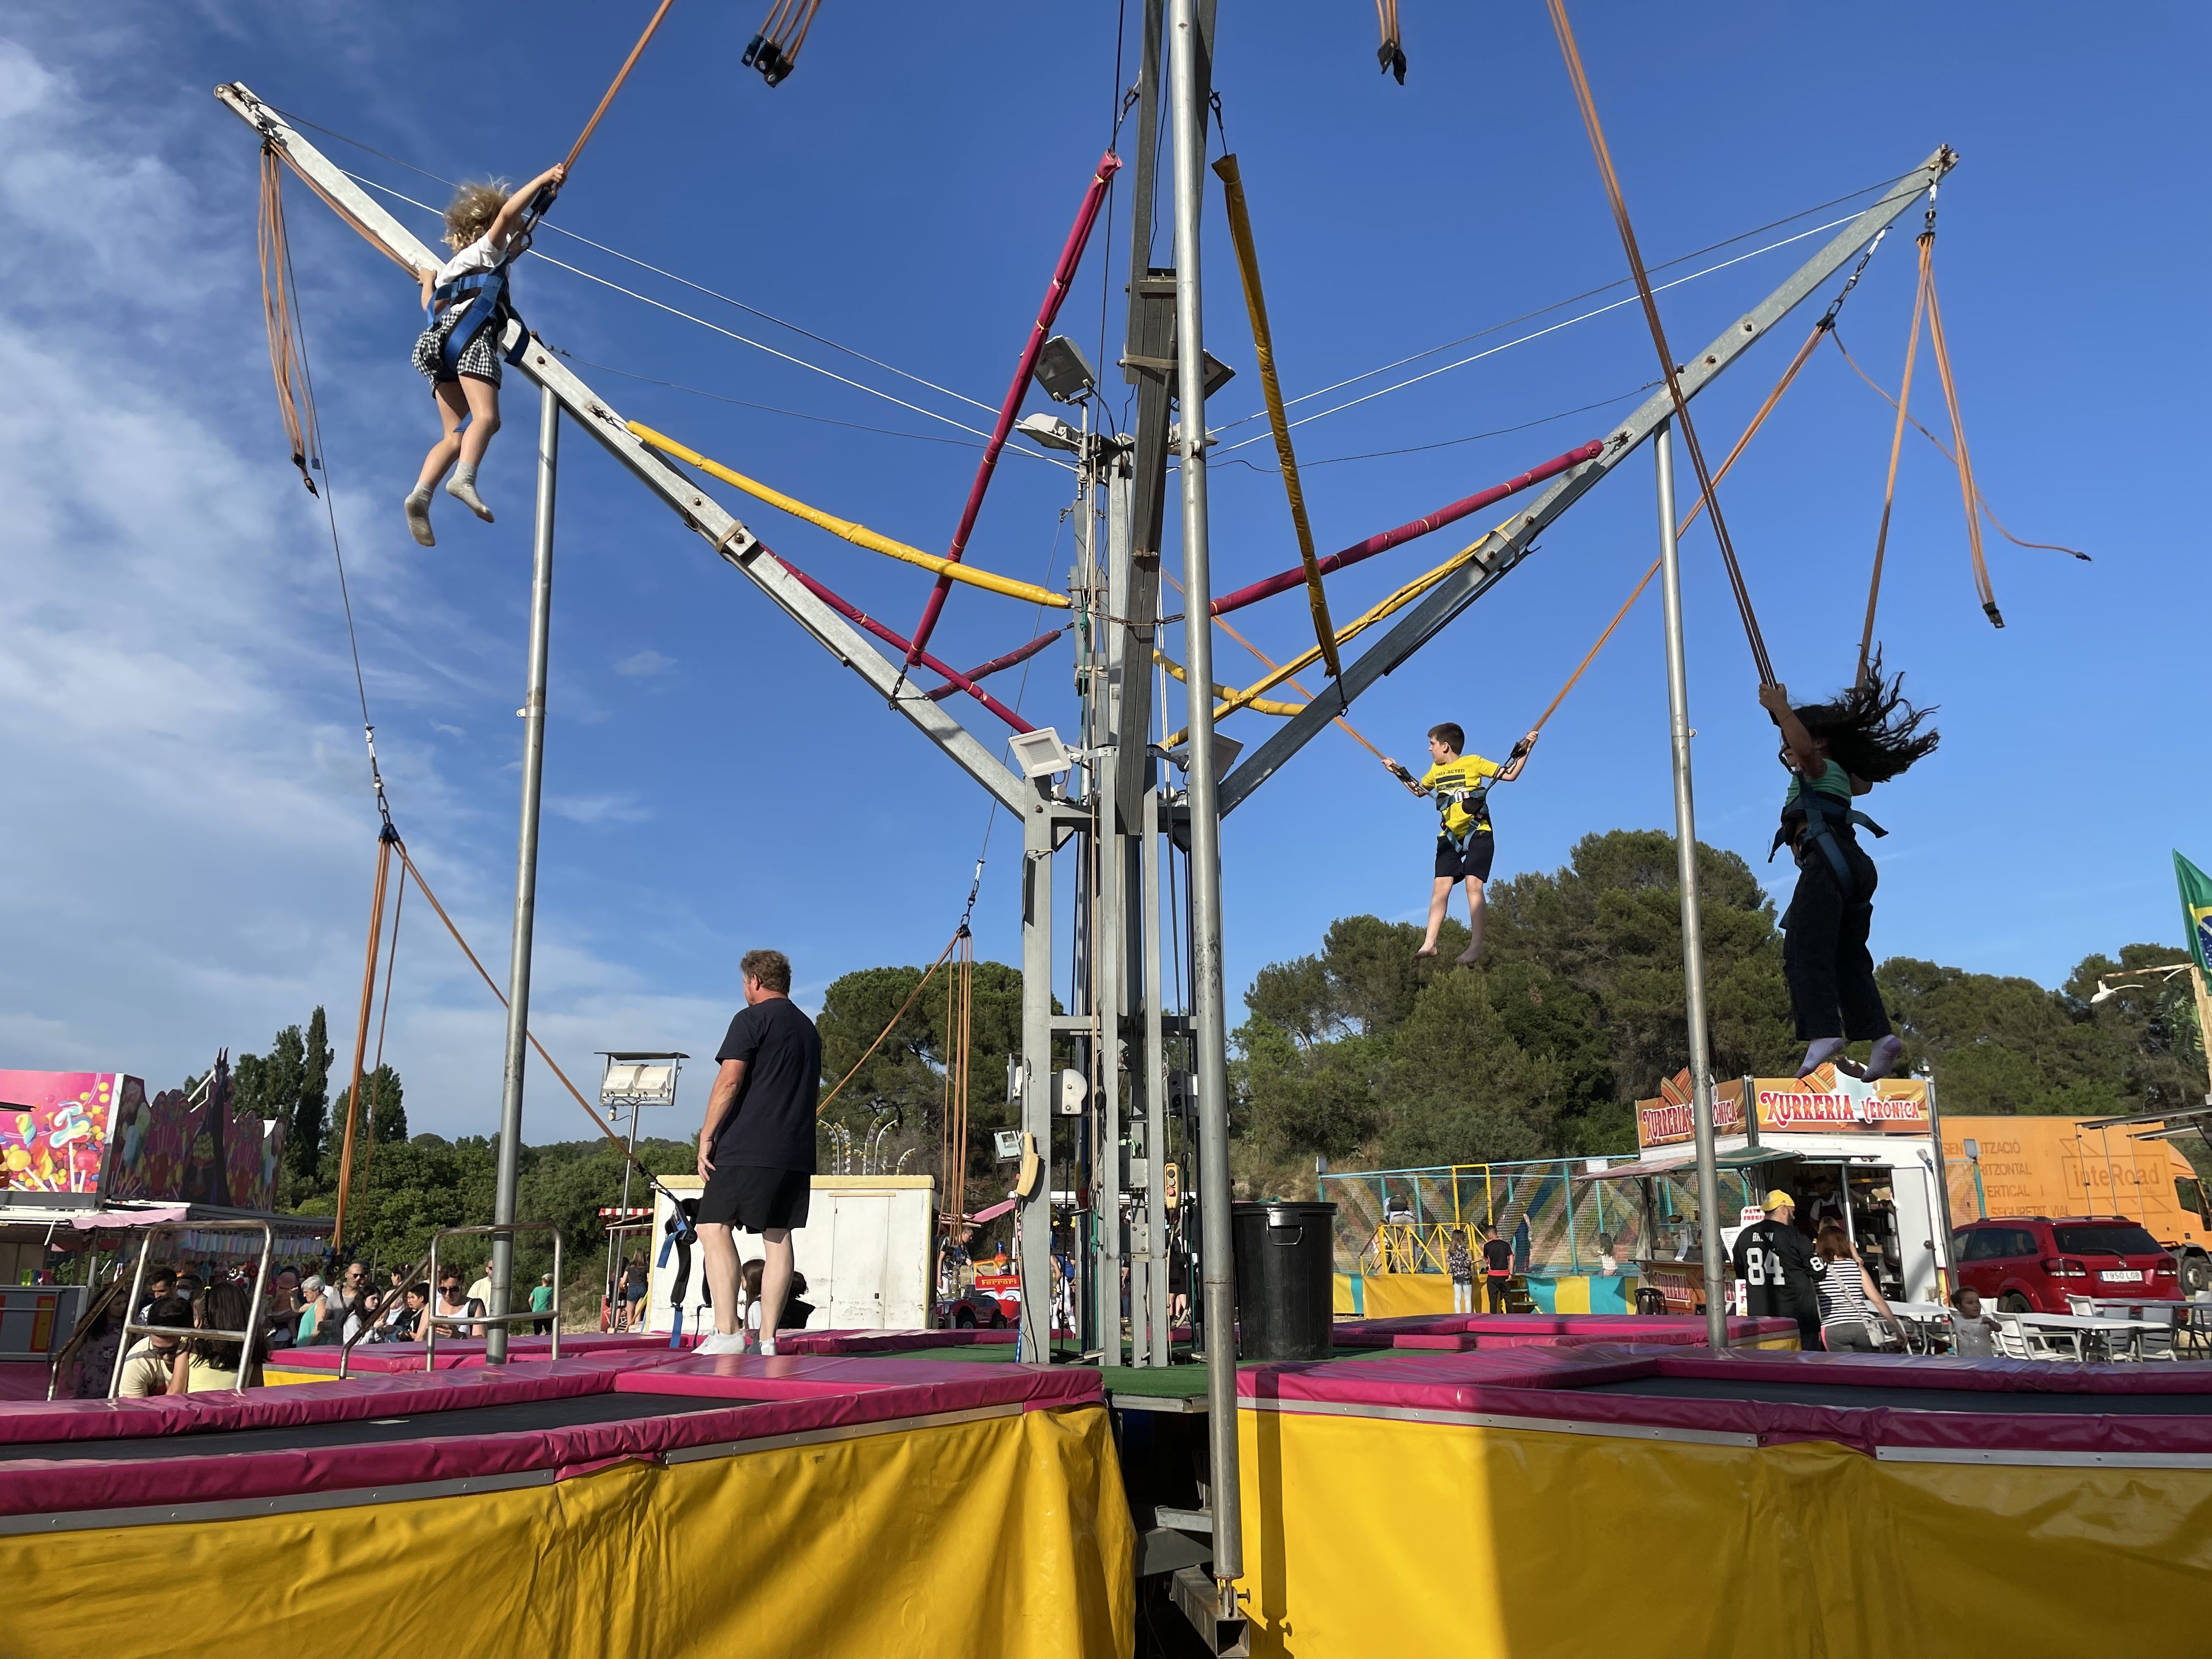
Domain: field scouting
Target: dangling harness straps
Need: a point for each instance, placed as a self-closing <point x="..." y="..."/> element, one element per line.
<point x="681" y="1231"/>
<point x="1824" y="815"/>
<point x="483" y="298"/>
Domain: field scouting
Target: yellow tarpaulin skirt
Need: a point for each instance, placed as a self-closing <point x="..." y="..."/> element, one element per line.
<point x="1367" y="1536"/>
<point x="1009" y="1536"/>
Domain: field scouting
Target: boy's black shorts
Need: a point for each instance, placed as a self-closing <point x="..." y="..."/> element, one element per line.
<point x="1456" y="864"/>
<point x="753" y="1198"/>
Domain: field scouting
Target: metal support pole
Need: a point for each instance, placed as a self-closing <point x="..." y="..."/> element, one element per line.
<point x="1035" y="1337"/>
<point x="1685" y="865"/>
<point x="1110" y="915"/>
<point x="1210" y="1015"/>
<point x="525" y="877"/>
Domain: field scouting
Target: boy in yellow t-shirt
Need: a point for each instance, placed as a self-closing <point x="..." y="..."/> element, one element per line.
<point x="1460" y="784"/>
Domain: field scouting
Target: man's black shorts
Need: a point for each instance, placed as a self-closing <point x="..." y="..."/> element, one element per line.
<point x="1456" y="864"/>
<point x="753" y="1198"/>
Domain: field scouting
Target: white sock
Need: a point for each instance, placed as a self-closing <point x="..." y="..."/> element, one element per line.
<point x="767" y="1347"/>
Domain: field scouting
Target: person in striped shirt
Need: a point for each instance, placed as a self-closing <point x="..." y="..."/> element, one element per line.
<point x="1850" y="1299"/>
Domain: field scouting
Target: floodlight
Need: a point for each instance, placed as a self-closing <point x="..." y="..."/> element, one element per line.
<point x="1062" y="370"/>
<point x="1225" y="751"/>
<point x="640" y="1080"/>
<point x="1050" y="431"/>
<point x="1040" y="753"/>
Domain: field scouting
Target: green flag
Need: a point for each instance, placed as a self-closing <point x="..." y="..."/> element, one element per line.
<point x="2196" y="909"/>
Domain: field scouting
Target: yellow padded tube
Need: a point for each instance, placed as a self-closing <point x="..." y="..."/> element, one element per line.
<point x="1176" y="669"/>
<point x="858" y="534"/>
<point x="1263" y="347"/>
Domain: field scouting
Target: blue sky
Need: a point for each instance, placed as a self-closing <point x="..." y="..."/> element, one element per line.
<point x="192" y="838"/>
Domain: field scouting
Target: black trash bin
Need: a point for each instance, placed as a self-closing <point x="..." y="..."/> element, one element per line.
<point x="1286" y="1262"/>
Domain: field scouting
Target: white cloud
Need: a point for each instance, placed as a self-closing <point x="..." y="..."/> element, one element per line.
<point x="645" y="664"/>
<point x="593" y="810"/>
<point x="190" y="831"/>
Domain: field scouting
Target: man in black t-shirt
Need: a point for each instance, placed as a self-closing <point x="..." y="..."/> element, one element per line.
<point x="1775" y="1261"/>
<point x="1497" y="1270"/>
<point x="756" y="1147"/>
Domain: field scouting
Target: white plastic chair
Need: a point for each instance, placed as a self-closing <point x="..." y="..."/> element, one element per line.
<point x="2033" y="1344"/>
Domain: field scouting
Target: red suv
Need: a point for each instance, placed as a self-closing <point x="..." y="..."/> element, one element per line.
<point x="2031" y="1264"/>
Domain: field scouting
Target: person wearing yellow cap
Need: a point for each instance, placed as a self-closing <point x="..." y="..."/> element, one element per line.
<point x="1774" y="1261"/>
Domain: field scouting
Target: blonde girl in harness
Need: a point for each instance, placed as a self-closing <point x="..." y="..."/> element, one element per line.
<point x="466" y="308"/>
<point x="1460" y="784"/>
<point x="1835" y="751"/>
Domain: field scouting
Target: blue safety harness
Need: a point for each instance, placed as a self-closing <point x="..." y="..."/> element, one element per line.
<point x="481" y="298"/>
<point x="1825" y="820"/>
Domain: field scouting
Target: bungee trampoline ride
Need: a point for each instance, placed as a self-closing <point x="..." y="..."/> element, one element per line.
<point x="1139" y="1465"/>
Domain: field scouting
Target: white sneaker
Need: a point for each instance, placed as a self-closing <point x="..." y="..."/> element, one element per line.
<point x="721" y="1342"/>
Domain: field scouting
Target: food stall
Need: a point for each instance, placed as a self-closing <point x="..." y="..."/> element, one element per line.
<point x="1860" y="1154"/>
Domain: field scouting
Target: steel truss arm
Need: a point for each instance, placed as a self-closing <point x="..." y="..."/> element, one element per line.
<point x="1506" y="547"/>
<point x="726" y="534"/>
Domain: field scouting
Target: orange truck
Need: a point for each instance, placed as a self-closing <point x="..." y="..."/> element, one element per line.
<point x="2060" y="1166"/>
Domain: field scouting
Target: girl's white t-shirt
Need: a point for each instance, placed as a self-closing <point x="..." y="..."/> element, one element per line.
<point x="752" y="1316"/>
<point x="479" y="255"/>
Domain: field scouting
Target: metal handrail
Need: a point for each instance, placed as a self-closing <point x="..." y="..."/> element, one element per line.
<point x="244" y="1338"/>
<point x="384" y="1316"/>
<point x="432" y="1318"/>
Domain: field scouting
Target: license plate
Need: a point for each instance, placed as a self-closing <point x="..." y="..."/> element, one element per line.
<point x="2122" y="1275"/>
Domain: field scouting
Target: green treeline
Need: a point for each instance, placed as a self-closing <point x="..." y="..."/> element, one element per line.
<point x="1364" y="1055"/>
<point x="1358" y="1053"/>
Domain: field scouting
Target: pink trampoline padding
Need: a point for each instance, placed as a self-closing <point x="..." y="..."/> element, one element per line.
<point x="462" y="1353"/>
<point x="1553" y="1383"/>
<point x="804" y="1375"/>
<point x="890" y="1341"/>
<point x="1949" y="1371"/>
<point x="876" y="1392"/>
<point x="1605" y="1327"/>
<point x="306" y="1402"/>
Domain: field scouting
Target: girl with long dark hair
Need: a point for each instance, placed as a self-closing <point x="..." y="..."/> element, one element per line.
<point x="1835" y="753"/>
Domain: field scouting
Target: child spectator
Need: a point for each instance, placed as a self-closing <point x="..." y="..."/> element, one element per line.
<point x="465" y="304"/>
<point x="796" y="1310"/>
<point x="1972" y="1331"/>
<point x="749" y="1276"/>
<point x="361" y="1315"/>
<point x="405" y="1324"/>
<point x="541" y="1303"/>
<point x="1460" y="784"/>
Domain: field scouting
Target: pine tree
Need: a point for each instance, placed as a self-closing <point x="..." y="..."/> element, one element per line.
<point x="311" y="1094"/>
